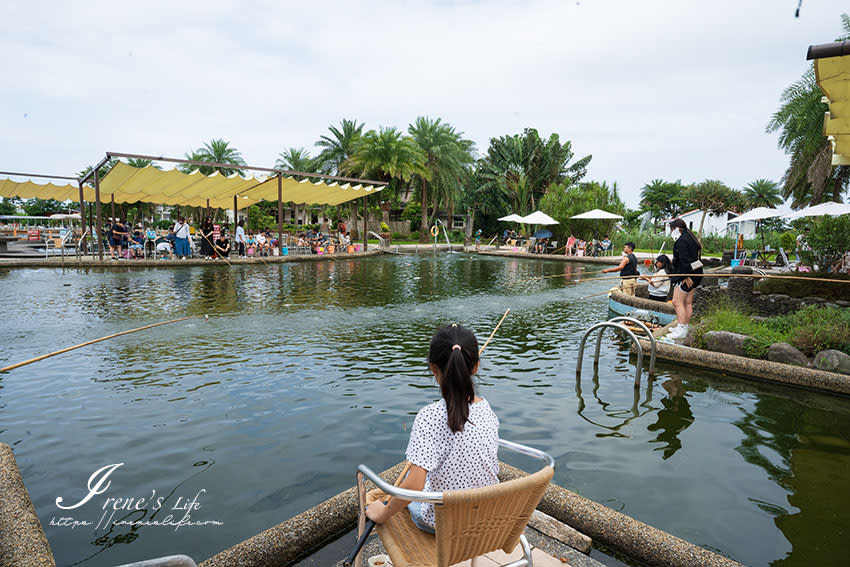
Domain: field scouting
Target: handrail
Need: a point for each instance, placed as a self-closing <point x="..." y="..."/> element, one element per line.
<point x="381" y="241"/>
<point x="644" y="328"/>
<point x="437" y="497"/>
<point x="621" y="327"/>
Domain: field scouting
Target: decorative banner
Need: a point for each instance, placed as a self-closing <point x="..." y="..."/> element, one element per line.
<point x="216" y="232"/>
<point x="33" y="234"/>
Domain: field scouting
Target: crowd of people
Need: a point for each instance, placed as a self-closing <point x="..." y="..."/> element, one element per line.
<point x="580" y="247"/>
<point x="140" y="242"/>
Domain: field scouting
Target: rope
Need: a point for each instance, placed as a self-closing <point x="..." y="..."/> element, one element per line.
<point x="42" y="357"/>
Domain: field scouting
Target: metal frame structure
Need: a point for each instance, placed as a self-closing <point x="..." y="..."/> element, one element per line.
<point x="279" y="173"/>
<point x="602" y="326"/>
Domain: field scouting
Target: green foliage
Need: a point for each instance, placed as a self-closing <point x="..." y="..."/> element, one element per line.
<point x="564" y="201"/>
<point x="8" y="206"/>
<point x="829" y="239"/>
<point x="663" y="199"/>
<point x="810" y="329"/>
<point x="215" y="151"/>
<point x="164" y="224"/>
<point x="810" y="178"/>
<point x="787" y="241"/>
<point x="257" y="219"/>
<point x="296" y="159"/>
<point x="762" y="193"/>
<point x="43" y="207"/>
<point x="338" y="148"/>
<point x="713" y="196"/>
<point x="385" y="227"/>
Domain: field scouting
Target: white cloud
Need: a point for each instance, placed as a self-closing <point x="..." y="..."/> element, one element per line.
<point x="667" y="89"/>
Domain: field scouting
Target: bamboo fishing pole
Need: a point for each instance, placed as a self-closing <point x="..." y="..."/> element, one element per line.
<point x="215" y="249"/>
<point x="42" y="357"/>
<point x="370" y="525"/>
<point x="716" y="275"/>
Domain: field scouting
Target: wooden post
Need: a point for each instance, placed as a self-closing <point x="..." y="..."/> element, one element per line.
<point x="280" y="213"/>
<point x="208" y="207"/>
<point x="113" y="206"/>
<point x="365" y="225"/>
<point x="99" y="232"/>
<point x="83" y="214"/>
<point x="235" y="215"/>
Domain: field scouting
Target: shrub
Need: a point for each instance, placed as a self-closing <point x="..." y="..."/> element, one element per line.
<point x="385" y="227"/>
<point x="787" y="241"/>
<point x="396" y="236"/>
<point x="414" y="235"/>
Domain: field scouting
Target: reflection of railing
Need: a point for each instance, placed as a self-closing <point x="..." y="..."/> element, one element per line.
<point x="612" y="325"/>
<point x="642" y="326"/>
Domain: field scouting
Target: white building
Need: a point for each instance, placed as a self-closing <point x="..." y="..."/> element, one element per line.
<point x="715" y="224"/>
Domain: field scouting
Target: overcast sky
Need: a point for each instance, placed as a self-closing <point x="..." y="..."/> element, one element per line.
<point x="652" y="89"/>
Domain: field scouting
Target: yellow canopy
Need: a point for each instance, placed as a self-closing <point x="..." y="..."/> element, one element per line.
<point x="151" y="185"/>
<point x="833" y="77"/>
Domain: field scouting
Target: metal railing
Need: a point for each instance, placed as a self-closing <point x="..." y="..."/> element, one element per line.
<point x="615" y="324"/>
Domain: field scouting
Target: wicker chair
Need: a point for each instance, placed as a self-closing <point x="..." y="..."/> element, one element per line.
<point x="469" y="523"/>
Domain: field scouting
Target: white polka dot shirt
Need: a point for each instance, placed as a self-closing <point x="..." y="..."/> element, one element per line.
<point x="454" y="460"/>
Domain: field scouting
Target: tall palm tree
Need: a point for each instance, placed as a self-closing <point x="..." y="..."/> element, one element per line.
<point x="338" y="148"/>
<point x="810" y="177"/>
<point x="216" y="151"/>
<point x="447" y="160"/>
<point x="762" y="193"/>
<point x="296" y="159"/>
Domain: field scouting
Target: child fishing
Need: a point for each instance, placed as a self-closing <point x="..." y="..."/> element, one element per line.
<point x="454" y="442"/>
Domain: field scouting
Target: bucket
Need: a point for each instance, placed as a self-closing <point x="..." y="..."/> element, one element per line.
<point x="275" y="252"/>
<point x="735" y="263"/>
<point x="331" y="249"/>
<point x="357" y="247"/>
<point x="320" y="250"/>
<point x="515" y="249"/>
<point x="350" y="249"/>
<point x="284" y="251"/>
<point x="250" y="251"/>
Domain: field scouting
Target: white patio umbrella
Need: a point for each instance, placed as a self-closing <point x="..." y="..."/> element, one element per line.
<point x="758" y="213"/>
<point x="513" y="217"/>
<point x="597" y="214"/>
<point x="538" y="217"/>
<point x="829" y="208"/>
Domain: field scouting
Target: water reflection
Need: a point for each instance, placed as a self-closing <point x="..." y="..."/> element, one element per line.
<point x="673" y="418"/>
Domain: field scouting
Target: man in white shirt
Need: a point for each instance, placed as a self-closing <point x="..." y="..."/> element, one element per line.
<point x="181" y="244"/>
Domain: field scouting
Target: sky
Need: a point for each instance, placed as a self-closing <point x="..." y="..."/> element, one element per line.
<point x="657" y="89"/>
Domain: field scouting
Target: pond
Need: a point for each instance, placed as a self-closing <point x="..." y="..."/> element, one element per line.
<point x="304" y="370"/>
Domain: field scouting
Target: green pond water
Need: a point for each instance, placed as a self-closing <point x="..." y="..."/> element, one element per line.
<point x="304" y="370"/>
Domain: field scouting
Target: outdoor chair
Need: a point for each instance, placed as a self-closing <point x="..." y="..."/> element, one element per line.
<point x="787" y="265"/>
<point x="469" y="523"/>
<point x="752" y="258"/>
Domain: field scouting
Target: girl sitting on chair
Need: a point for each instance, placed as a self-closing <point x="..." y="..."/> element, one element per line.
<point x="454" y="442"/>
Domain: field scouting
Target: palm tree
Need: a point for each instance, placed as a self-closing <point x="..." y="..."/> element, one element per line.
<point x="215" y="151"/>
<point x="712" y="196"/>
<point x="762" y="193"/>
<point x="447" y="158"/>
<point x="810" y="177"/>
<point x="387" y="156"/>
<point x="338" y="148"/>
<point x="140" y="163"/>
<point x="296" y="159"/>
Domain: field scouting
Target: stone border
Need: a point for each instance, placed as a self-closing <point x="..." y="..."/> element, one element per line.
<point x="71" y="261"/>
<point x="611" y="260"/>
<point x="22" y="539"/>
<point x="766" y="370"/>
<point x="620" y="532"/>
<point x="642" y="303"/>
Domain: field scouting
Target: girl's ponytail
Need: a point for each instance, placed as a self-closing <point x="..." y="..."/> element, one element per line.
<point x="454" y="351"/>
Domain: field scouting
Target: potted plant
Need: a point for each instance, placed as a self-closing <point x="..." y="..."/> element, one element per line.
<point x="385" y="232"/>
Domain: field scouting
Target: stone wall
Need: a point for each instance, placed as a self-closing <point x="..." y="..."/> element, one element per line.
<point x="740" y="291"/>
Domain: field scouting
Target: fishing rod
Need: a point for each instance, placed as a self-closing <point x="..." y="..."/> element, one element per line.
<point x="215" y="249"/>
<point x="42" y="357"/>
<point x="370" y="525"/>
<point x="717" y="275"/>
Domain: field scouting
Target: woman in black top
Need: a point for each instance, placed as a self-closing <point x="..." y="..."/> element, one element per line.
<point x="207" y="238"/>
<point x="627" y="267"/>
<point x="686" y="266"/>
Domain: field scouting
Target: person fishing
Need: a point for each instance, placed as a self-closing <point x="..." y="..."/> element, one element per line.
<point x="627" y="267"/>
<point x="454" y="442"/>
<point x="659" y="283"/>
<point x="686" y="265"/>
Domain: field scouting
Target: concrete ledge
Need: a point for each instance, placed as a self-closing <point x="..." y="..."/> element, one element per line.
<point x="753" y="368"/>
<point x="22" y="540"/>
<point x="71" y="261"/>
<point x="620" y="532"/>
<point x="300" y="535"/>
<point x="611" y="260"/>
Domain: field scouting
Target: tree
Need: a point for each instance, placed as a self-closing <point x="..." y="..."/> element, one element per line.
<point x="563" y="201"/>
<point x="215" y="151"/>
<point x="387" y="156"/>
<point x="762" y="193"/>
<point x="44" y="207"/>
<point x="663" y="199"/>
<point x="712" y="196"/>
<point x="810" y="177"/>
<point x="338" y="148"/>
<point x="296" y="159"/>
<point x="9" y="206"/>
<point x="447" y="157"/>
<point x="829" y="239"/>
<point x="522" y="167"/>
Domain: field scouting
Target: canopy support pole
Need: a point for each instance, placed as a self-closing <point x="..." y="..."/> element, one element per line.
<point x="208" y="207"/>
<point x="99" y="220"/>
<point x="280" y="214"/>
<point x="112" y="195"/>
<point x="235" y="216"/>
<point x="365" y="225"/>
<point x="83" y="215"/>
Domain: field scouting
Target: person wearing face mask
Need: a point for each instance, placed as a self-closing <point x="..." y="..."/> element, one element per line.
<point x="686" y="265"/>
